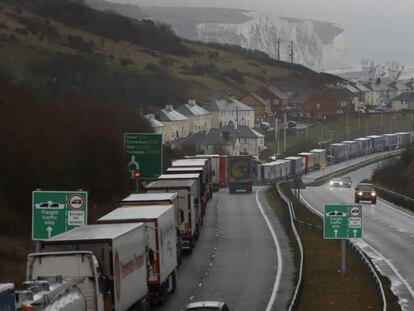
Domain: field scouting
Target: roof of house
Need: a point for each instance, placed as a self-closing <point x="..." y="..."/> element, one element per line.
<point x="359" y="86"/>
<point x="397" y="86"/>
<point x="297" y="92"/>
<point x="336" y="94"/>
<point x="228" y="104"/>
<point x="154" y="122"/>
<point x="377" y="85"/>
<point x="282" y="95"/>
<point x="169" y="114"/>
<point x="242" y="131"/>
<point x="212" y="137"/>
<point x="257" y="98"/>
<point x="404" y="97"/>
<point x="192" y="109"/>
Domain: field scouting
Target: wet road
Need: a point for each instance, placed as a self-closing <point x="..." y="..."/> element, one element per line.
<point x="237" y="259"/>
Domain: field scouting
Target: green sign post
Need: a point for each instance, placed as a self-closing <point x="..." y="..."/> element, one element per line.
<point x="145" y="151"/>
<point x="55" y="212"/>
<point x="342" y="221"/>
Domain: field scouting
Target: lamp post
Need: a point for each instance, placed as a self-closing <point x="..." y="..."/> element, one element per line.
<point x="366" y="128"/>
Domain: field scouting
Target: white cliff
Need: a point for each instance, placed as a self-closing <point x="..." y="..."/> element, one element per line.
<point x="317" y="45"/>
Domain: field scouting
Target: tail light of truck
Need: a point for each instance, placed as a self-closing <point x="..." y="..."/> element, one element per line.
<point x="28" y="308"/>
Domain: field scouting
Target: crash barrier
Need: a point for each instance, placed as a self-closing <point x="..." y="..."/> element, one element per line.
<point x="373" y="274"/>
<point x="299" y="286"/>
<point x="395" y="197"/>
<point x="364" y="259"/>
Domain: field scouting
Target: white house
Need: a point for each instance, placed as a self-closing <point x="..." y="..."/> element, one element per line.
<point x="230" y="111"/>
<point x="198" y="117"/>
<point x="157" y="126"/>
<point x="379" y="93"/>
<point x="251" y="142"/>
<point x="176" y="124"/>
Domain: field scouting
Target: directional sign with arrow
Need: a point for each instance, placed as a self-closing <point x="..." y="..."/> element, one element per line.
<point x="54" y="212"/>
<point x="342" y="221"/>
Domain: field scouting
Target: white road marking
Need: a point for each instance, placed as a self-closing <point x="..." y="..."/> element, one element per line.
<point x="393" y="268"/>
<point x="278" y="252"/>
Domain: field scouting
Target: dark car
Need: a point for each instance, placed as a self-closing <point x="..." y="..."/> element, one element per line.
<point x="365" y="192"/>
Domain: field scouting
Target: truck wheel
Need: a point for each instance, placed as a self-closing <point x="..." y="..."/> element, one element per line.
<point x="174" y="281"/>
<point x="374" y="201"/>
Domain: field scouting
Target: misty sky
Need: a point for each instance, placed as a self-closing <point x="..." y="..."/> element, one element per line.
<point x="377" y="29"/>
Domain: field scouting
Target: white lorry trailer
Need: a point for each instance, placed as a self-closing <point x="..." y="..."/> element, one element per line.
<point x="162" y="198"/>
<point x="160" y="243"/>
<point x="90" y="268"/>
<point x="187" y="195"/>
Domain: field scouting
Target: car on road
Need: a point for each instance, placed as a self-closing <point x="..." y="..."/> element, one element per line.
<point x="365" y="192"/>
<point x="207" y="306"/>
<point x="341" y="182"/>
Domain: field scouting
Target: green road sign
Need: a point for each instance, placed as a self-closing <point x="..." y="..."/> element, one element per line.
<point x="54" y="212"/>
<point x="342" y="221"/>
<point x="145" y="151"/>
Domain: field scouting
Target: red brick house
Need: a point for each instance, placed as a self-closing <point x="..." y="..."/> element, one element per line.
<point x="328" y="103"/>
<point x="278" y="100"/>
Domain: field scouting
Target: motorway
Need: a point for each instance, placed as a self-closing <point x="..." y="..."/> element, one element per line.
<point x="388" y="237"/>
<point x="238" y="259"/>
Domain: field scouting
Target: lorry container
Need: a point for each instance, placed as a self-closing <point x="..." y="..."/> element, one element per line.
<point x="404" y="139"/>
<point x="266" y="173"/>
<point x="197" y="178"/>
<point x="160" y="243"/>
<point x="162" y="198"/>
<point x="377" y="142"/>
<point x="353" y="148"/>
<point x="309" y="160"/>
<point x="204" y="196"/>
<point x="281" y="168"/>
<point x="240" y="173"/>
<point x="297" y="165"/>
<point x="223" y="171"/>
<point x="365" y="145"/>
<point x="106" y="263"/>
<point x="390" y="141"/>
<point x="339" y="152"/>
<point x="7" y="297"/>
<point x="320" y="158"/>
<point x="215" y="167"/>
<point x="206" y="175"/>
<point x="186" y="190"/>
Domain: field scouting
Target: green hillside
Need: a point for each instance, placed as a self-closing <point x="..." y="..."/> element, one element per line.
<point x="65" y="48"/>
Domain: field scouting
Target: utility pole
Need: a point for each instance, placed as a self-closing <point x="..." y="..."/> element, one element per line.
<point x="284" y="131"/>
<point x="347" y="122"/>
<point x="278" y="49"/>
<point x="292" y="54"/>
<point x="277" y="134"/>
<point x="330" y="139"/>
<point x="321" y="132"/>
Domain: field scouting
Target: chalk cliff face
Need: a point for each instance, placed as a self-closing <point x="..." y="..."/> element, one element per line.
<point x="317" y="45"/>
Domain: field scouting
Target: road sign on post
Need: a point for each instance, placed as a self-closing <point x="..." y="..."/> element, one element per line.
<point x="55" y="212"/>
<point x="342" y="221"/>
<point x="145" y="154"/>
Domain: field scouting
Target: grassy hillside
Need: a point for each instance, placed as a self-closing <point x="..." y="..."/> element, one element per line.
<point x="65" y="48"/>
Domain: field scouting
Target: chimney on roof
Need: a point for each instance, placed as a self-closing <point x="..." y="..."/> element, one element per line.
<point x="192" y="102"/>
<point x="169" y="107"/>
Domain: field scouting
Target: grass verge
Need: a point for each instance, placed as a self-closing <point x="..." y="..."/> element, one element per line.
<point x="324" y="287"/>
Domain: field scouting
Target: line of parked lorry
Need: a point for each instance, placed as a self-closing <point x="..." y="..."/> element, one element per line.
<point x="318" y="159"/>
<point x="128" y="260"/>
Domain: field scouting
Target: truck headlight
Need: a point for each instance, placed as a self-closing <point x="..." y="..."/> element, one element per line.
<point x="341" y="183"/>
<point x="373" y="193"/>
<point x="360" y="193"/>
<point x="331" y="183"/>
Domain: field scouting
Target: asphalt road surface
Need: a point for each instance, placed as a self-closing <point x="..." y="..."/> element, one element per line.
<point x="237" y="259"/>
<point x="388" y="237"/>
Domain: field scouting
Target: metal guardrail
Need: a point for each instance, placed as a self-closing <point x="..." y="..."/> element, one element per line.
<point x="373" y="273"/>
<point x="299" y="286"/>
<point x="396" y="194"/>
